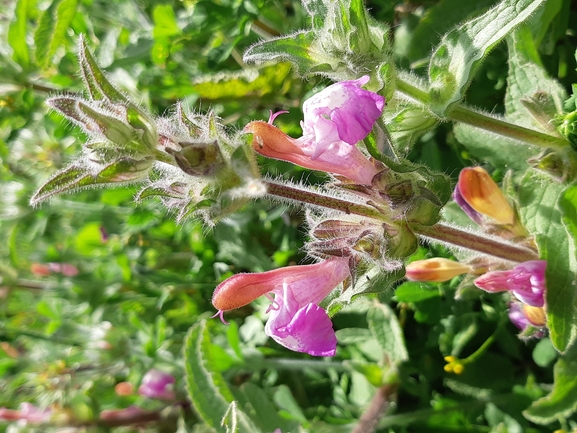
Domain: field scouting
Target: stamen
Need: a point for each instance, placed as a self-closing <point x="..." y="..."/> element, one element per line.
<point x="220" y="313"/>
<point x="272" y="116"/>
<point x="274" y="304"/>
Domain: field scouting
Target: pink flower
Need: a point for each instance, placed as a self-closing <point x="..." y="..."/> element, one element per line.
<point x="526" y="281"/>
<point x="33" y="414"/>
<point x="156" y="384"/>
<point x="296" y="321"/>
<point x="343" y="112"/>
<point x="334" y="121"/>
<point x="26" y="412"/>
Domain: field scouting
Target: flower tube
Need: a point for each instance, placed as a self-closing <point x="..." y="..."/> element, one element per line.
<point x="296" y="321"/>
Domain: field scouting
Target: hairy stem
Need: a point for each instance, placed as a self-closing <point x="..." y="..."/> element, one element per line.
<point x="369" y="421"/>
<point x="317" y="199"/>
<point x="472" y="241"/>
<point x="464" y="114"/>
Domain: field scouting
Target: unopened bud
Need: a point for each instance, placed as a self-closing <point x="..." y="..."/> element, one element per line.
<point x="198" y="159"/>
<point x="435" y="270"/>
<point x="484" y="196"/>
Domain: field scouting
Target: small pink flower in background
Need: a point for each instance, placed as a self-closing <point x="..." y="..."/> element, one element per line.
<point x="296" y="321"/>
<point x="122" y="414"/>
<point x="33" y="414"/>
<point x="124" y="388"/>
<point x="156" y="384"/>
<point x="526" y="281"/>
<point x="26" y="412"/>
<point x="343" y="112"/>
<point x="482" y="196"/>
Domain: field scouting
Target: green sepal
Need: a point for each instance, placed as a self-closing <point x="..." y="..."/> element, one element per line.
<point x="81" y="174"/>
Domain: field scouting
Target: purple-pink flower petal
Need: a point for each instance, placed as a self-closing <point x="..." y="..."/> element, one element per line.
<point x="341" y="112"/>
<point x="526" y="281"/>
<point x="303" y="328"/>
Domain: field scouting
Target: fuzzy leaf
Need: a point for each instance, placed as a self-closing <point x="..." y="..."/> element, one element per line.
<point x="293" y="48"/>
<point x="207" y="389"/>
<point x="62" y="181"/>
<point x="533" y="98"/>
<point x="17" y="34"/>
<point x="539" y="200"/>
<point x="52" y="29"/>
<point x="385" y="327"/>
<point x="562" y="400"/>
<point x="81" y="174"/>
<point x="460" y="52"/>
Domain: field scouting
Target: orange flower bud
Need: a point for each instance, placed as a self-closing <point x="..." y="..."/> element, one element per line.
<point x="435" y="270"/>
<point x="484" y="196"/>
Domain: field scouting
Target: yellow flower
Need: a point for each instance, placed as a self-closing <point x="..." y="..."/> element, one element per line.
<point x="454" y="365"/>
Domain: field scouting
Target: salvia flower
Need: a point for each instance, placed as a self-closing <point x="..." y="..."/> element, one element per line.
<point x="482" y="196"/>
<point x="335" y="119"/>
<point x="156" y="384"/>
<point x="296" y="321"/>
<point x="343" y="112"/>
<point x="526" y="281"/>
<point x="435" y="270"/>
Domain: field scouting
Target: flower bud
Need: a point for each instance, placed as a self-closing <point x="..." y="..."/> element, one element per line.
<point x="435" y="270"/>
<point x="483" y="195"/>
<point x="198" y="159"/>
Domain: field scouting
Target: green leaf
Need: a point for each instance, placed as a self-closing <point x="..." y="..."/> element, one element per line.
<point x="294" y="48"/>
<point x="511" y="154"/>
<point x="415" y="292"/>
<point x="562" y="401"/>
<point x="385" y="327"/>
<point x="256" y="403"/>
<point x="533" y="98"/>
<point x="461" y="51"/>
<point x="207" y="389"/>
<point x="52" y="29"/>
<point x="439" y="19"/>
<point x="540" y="200"/>
<point x="17" y="33"/>
<point x="266" y="81"/>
